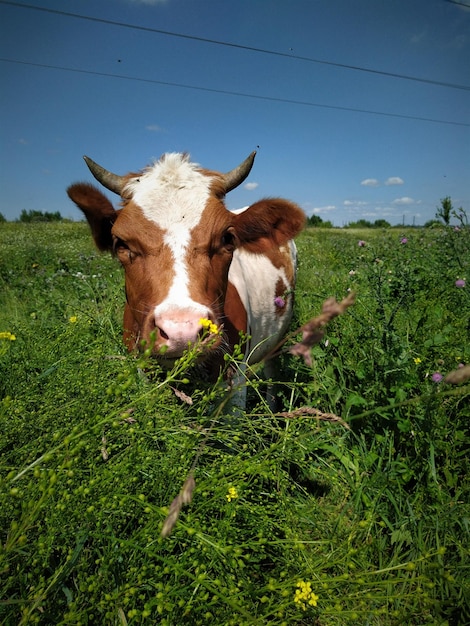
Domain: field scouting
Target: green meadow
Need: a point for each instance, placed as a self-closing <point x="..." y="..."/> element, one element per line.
<point x="349" y="505"/>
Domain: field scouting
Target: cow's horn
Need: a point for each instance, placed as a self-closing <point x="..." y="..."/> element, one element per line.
<point x="111" y="181"/>
<point x="236" y="176"/>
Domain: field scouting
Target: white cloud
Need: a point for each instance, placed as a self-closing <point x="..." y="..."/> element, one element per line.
<point x="355" y="203"/>
<point x="403" y="201"/>
<point x="251" y="186"/>
<point x="370" y="182"/>
<point x="154" y="128"/>
<point x="394" y="180"/>
<point x="379" y="212"/>
<point x="324" y="209"/>
<point x="371" y="213"/>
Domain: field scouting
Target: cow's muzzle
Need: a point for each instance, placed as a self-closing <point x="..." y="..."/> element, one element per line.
<point x="181" y="330"/>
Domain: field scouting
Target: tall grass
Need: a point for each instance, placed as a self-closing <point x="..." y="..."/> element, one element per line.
<point x="296" y="517"/>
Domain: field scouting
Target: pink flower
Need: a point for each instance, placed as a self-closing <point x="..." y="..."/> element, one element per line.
<point x="361" y="243"/>
<point x="279" y="302"/>
<point x="460" y="283"/>
<point x="404" y="240"/>
<point x="437" y="377"/>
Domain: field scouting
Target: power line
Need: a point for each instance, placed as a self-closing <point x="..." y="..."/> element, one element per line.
<point x="459" y="4"/>
<point x="239" y="46"/>
<point x="232" y="93"/>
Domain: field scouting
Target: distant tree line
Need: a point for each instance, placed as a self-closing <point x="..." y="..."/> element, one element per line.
<point x="39" y="216"/>
<point x="27" y="217"/>
<point x="443" y="214"/>
<point x="316" y="220"/>
<point x="366" y="224"/>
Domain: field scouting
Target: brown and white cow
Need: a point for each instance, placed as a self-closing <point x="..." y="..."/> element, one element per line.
<point x="187" y="258"/>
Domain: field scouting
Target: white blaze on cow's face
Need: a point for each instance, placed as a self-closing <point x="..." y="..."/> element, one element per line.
<point x="173" y="195"/>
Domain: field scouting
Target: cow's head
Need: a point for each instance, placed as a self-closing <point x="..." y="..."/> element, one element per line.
<point x="175" y="240"/>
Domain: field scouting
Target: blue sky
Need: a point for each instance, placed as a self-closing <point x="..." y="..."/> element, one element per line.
<point x="343" y="143"/>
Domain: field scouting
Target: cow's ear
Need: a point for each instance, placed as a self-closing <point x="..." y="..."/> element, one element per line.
<point x="98" y="210"/>
<point x="268" y="221"/>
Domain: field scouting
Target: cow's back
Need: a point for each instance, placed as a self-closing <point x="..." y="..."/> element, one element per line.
<point x="264" y="284"/>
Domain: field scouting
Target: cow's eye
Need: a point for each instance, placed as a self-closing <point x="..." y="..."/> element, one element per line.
<point x="228" y="240"/>
<point x="122" y="251"/>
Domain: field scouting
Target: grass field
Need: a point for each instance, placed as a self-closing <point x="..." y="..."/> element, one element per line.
<point x="350" y="506"/>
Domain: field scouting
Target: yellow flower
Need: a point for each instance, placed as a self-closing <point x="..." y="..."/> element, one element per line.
<point x="232" y="494"/>
<point x="210" y="326"/>
<point x="304" y="595"/>
<point x="7" y="335"/>
<point x="73" y="319"/>
<point x="417" y="360"/>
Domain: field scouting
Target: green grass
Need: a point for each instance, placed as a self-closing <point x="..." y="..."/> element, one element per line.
<point x="95" y="445"/>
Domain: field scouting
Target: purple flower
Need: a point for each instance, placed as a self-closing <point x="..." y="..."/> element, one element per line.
<point x="279" y="302"/>
<point x="404" y="240"/>
<point x="460" y="283"/>
<point x="437" y="377"/>
<point x="361" y="243"/>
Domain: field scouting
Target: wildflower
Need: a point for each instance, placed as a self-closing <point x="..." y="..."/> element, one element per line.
<point x="460" y="283"/>
<point x="404" y="240"/>
<point x="232" y="494"/>
<point x="352" y="272"/>
<point x="417" y="360"/>
<point x="210" y="326"/>
<point x="304" y="595"/>
<point x="279" y="302"/>
<point x="361" y="243"/>
<point x="7" y="335"/>
<point x="437" y="377"/>
<point x="73" y="319"/>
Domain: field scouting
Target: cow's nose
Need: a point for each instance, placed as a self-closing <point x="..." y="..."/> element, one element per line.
<point x="178" y="331"/>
